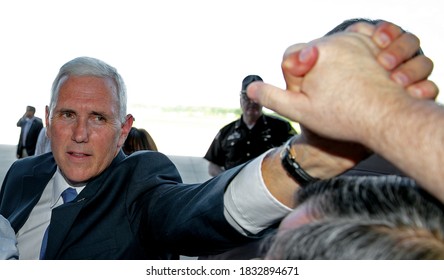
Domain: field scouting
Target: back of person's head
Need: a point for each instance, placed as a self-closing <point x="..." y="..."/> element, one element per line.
<point x="345" y="24"/>
<point x="138" y="139"/>
<point x="358" y="239"/>
<point x="383" y="205"/>
<point x="392" y="197"/>
<point x="88" y="66"/>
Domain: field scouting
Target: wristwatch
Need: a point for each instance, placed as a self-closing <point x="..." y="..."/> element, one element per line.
<point x="293" y="168"/>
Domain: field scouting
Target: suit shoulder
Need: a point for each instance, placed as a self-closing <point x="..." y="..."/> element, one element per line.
<point x="29" y="162"/>
<point x="147" y="164"/>
<point x="146" y="156"/>
<point x="30" y="166"/>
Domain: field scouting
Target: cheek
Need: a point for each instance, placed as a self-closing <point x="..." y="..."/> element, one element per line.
<point x="111" y="138"/>
<point x="55" y="132"/>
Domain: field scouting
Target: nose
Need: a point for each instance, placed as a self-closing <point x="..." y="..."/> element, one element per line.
<point x="80" y="131"/>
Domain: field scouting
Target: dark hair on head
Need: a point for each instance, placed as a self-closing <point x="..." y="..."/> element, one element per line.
<point x="345" y="24"/>
<point x="342" y="26"/>
<point x="369" y="197"/>
<point x="138" y="139"/>
<point x="363" y="217"/>
<point x="30" y="108"/>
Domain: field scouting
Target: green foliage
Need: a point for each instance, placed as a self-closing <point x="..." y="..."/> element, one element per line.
<point x="208" y="111"/>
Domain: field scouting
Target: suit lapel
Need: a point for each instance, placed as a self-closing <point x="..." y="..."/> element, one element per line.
<point x="62" y="220"/>
<point x="32" y="188"/>
<point x="64" y="216"/>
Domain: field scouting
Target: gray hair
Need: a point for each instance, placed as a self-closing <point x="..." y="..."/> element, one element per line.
<point x="354" y="239"/>
<point x="354" y="210"/>
<point x="371" y="196"/>
<point x="390" y="197"/>
<point x="88" y="66"/>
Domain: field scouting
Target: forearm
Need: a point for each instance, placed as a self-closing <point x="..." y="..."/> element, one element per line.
<point x="412" y="138"/>
<point x="20" y="122"/>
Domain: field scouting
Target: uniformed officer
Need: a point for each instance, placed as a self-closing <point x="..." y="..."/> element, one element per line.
<point x="248" y="137"/>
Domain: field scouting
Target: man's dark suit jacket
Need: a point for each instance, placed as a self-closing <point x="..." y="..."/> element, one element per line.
<point x="31" y="137"/>
<point x="136" y="209"/>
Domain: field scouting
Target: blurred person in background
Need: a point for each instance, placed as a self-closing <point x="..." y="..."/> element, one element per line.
<point x="248" y="137"/>
<point x="138" y="139"/>
<point x="30" y="128"/>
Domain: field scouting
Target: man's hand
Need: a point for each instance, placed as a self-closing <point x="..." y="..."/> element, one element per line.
<point x="400" y="53"/>
<point x="395" y="55"/>
<point x="395" y="51"/>
<point x="339" y="87"/>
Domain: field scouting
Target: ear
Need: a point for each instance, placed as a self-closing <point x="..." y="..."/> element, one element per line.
<point x="126" y="127"/>
<point x="47" y="121"/>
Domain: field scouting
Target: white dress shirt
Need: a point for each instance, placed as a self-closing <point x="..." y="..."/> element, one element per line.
<point x="43" y="144"/>
<point x="249" y="205"/>
<point x="30" y="236"/>
<point x="26" y="128"/>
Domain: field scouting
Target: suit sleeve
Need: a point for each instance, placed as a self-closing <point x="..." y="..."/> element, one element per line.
<point x="187" y="219"/>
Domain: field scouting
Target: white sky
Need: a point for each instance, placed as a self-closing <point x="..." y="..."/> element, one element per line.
<point x="178" y="52"/>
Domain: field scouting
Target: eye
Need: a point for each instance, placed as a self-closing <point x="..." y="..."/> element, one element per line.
<point x="98" y="118"/>
<point x="67" y="114"/>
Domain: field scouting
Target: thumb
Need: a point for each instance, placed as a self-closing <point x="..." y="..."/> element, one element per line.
<point x="286" y="103"/>
<point x="299" y="59"/>
<point x="297" y="62"/>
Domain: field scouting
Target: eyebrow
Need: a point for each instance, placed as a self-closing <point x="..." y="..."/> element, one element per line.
<point x="94" y="113"/>
<point x="98" y="114"/>
<point x="62" y="110"/>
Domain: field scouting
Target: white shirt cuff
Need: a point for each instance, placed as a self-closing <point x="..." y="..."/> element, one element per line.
<point x="249" y="206"/>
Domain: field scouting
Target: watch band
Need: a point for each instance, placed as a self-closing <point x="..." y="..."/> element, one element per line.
<point x="293" y="168"/>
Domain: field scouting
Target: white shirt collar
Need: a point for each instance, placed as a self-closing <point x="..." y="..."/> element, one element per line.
<point x="60" y="184"/>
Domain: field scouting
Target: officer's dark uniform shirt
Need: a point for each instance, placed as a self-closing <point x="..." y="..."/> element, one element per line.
<point x="236" y="143"/>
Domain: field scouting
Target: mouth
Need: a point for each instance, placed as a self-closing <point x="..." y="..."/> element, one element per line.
<point x="78" y="155"/>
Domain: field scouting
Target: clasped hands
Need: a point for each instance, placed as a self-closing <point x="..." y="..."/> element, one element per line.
<point x="340" y="87"/>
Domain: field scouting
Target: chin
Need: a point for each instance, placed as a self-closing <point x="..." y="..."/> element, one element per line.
<point x="77" y="179"/>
